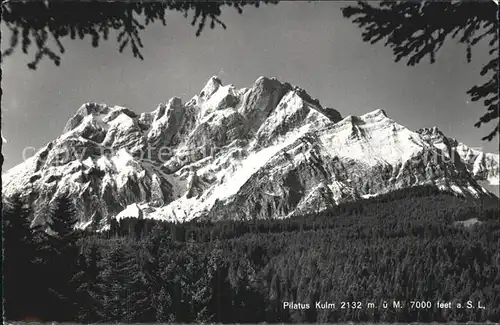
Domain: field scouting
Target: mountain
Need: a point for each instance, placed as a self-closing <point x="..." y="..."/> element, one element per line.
<point x="483" y="166"/>
<point x="267" y="151"/>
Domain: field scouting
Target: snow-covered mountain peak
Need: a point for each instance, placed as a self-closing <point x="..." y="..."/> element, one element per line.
<point x="376" y="115"/>
<point x="93" y="108"/>
<point x="87" y="109"/>
<point x="266" y="151"/>
<point x="434" y="134"/>
<point x="174" y="101"/>
<point x="374" y="124"/>
<point x="210" y="87"/>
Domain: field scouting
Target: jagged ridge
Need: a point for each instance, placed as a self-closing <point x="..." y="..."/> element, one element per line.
<point x="268" y="151"/>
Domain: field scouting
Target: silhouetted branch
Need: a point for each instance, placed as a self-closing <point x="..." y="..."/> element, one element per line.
<point x="35" y="22"/>
<point x="415" y="30"/>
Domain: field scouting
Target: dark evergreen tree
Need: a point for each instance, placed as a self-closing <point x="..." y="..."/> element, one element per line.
<point x="221" y="299"/>
<point x="60" y="253"/>
<point x="86" y="283"/>
<point x="123" y="285"/>
<point x="62" y="222"/>
<point x="113" y="301"/>
<point x="18" y="255"/>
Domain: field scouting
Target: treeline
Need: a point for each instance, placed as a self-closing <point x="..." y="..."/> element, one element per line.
<point x="398" y="247"/>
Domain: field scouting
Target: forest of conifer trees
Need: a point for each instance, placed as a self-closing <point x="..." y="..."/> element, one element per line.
<point x="402" y="246"/>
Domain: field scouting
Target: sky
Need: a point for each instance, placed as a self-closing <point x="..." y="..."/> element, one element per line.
<point x="306" y="44"/>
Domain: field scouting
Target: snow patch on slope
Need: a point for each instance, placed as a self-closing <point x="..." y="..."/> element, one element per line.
<point x="372" y="138"/>
<point x="228" y="181"/>
<point x="253" y="163"/>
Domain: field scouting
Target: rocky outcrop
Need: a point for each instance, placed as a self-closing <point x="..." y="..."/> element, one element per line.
<point x="482" y="166"/>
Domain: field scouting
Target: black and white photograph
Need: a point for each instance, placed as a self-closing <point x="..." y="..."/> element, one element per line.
<point x="251" y="162"/>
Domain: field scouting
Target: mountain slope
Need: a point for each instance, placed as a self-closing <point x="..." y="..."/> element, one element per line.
<point x="267" y="151"/>
<point x="483" y="166"/>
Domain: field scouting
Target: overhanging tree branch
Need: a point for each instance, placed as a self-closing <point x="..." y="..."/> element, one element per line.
<point x="35" y="22"/>
<point x="415" y="30"/>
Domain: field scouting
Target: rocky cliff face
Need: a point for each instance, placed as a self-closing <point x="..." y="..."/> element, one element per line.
<point x="268" y="151"/>
<point x="482" y="166"/>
